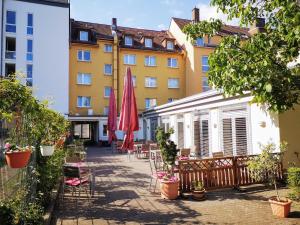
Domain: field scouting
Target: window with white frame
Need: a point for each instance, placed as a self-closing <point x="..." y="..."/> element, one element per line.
<point x="172" y="62"/>
<point x="107" y="92"/>
<point x="128" y="40"/>
<point x="170" y="45"/>
<point x="199" y="42"/>
<point x="235" y="133"/>
<point x="129" y="59"/>
<point x="150" y="82"/>
<point x="107" y="48"/>
<point x="29" y="77"/>
<point x="150" y="61"/>
<point x="84" y="55"/>
<point x="150" y="103"/>
<point x="148" y="42"/>
<point x="134" y="80"/>
<point x="171" y="100"/>
<point x="83" y="131"/>
<point x="173" y="83"/>
<point x="205" y="85"/>
<point x="84" y="101"/>
<point x="83" y="35"/>
<point x="108" y="69"/>
<point x="205" y="66"/>
<point x="29" y="24"/>
<point x="10" y="21"/>
<point x="84" y="78"/>
<point x="29" y="54"/>
<point x="105" y="130"/>
<point x="106" y="110"/>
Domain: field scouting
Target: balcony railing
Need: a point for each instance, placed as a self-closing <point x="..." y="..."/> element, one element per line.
<point x="10" y="54"/>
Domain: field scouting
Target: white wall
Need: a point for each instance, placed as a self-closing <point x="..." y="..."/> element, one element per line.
<point x="50" y="50"/>
<point x="188" y="125"/>
<point x="259" y="133"/>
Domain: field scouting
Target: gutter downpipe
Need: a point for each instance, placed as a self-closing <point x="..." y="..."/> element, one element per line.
<point x="2" y="33"/>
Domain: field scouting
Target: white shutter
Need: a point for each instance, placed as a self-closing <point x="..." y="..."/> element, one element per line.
<point x="197" y="135"/>
<point x="204" y="136"/>
<point x="235" y="132"/>
<point x="180" y="135"/>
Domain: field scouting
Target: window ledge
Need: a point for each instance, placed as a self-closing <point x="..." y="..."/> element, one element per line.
<point x="85" y="61"/>
<point x="84" y="107"/>
<point x="171" y="67"/>
<point x="150" y="66"/>
<point x="130" y="64"/>
<point x="173" y="87"/>
<point x="108" y="74"/>
<point x="150" y="87"/>
<point x="84" y="84"/>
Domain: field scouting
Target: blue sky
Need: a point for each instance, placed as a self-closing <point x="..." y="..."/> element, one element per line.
<point x="153" y="14"/>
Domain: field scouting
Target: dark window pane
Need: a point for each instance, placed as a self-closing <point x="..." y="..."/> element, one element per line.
<point x="10" y="17"/>
<point x="29" y="45"/>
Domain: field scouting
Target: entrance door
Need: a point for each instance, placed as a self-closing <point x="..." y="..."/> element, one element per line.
<point x="153" y="126"/>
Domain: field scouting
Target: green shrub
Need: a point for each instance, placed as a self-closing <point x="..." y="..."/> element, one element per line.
<point x="6" y="213"/>
<point x="294" y="182"/>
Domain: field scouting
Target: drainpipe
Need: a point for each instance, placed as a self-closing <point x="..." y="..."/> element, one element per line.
<point x="2" y="34"/>
<point x="115" y="68"/>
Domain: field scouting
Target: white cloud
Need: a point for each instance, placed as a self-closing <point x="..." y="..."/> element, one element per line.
<point x="162" y="26"/>
<point x="207" y="12"/>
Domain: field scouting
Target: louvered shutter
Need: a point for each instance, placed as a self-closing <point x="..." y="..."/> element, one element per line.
<point x="204" y="136"/>
<point x="235" y="132"/>
<point x="180" y="135"/>
<point x="197" y="135"/>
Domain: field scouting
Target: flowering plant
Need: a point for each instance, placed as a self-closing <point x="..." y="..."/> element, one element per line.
<point x="9" y="148"/>
<point x="169" y="178"/>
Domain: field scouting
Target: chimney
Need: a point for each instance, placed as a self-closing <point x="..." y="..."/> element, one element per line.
<point x="195" y="15"/>
<point x="257" y="26"/>
<point x="114" y="24"/>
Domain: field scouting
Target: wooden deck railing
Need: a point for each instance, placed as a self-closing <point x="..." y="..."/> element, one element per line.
<point x="217" y="173"/>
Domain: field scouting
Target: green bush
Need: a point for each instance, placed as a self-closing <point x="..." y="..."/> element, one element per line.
<point x="294" y="182"/>
<point x="6" y="213"/>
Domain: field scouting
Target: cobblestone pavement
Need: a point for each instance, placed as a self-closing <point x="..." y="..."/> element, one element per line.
<point x="122" y="197"/>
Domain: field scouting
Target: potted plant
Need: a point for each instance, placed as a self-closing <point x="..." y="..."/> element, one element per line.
<point x="169" y="183"/>
<point x="47" y="147"/>
<point x="17" y="157"/>
<point x="264" y="168"/>
<point x="198" y="190"/>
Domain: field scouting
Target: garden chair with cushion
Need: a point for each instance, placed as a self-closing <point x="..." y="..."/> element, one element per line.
<point x="75" y="180"/>
<point x="157" y="172"/>
<point x="144" y="151"/>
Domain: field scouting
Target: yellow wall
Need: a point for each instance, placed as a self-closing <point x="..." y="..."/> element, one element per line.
<point x="161" y="71"/>
<point x="96" y="67"/>
<point x="289" y="123"/>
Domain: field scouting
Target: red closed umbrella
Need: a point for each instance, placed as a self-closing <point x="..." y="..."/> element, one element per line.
<point x="112" y="117"/>
<point x="129" y="121"/>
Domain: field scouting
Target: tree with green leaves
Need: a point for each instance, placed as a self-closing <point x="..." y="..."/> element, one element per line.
<point x="258" y="64"/>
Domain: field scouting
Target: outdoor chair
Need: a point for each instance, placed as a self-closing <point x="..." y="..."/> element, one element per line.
<point x="157" y="172"/>
<point x="75" y="180"/>
<point x="153" y="146"/>
<point x="132" y="152"/>
<point x="185" y="152"/>
<point x="144" y="151"/>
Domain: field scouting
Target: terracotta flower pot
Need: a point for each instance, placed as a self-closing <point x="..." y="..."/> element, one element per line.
<point x="282" y="208"/>
<point x="169" y="189"/>
<point x="17" y="160"/>
<point x="47" y="150"/>
<point x="199" y="195"/>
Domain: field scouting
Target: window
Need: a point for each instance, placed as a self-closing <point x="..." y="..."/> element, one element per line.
<point x="129" y="59"/>
<point x="134" y="81"/>
<point x="29" y="68"/>
<point x="10" y="69"/>
<point x="84" y="78"/>
<point x="84" y="55"/>
<point x="150" y="82"/>
<point x="107" y="48"/>
<point x="148" y="42"/>
<point x="150" y="103"/>
<point x="107" y="92"/>
<point x="108" y="69"/>
<point x="10" y="22"/>
<point x="10" y="48"/>
<point x="29" y="55"/>
<point x="106" y="110"/>
<point x="104" y="130"/>
<point x="30" y="24"/>
<point x="234" y="132"/>
<point x="83" y="36"/>
<point x="173" y="83"/>
<point x="83" y="101"/>
<point x="200" y="42"/>
<point x="172" y="62"/>
<point x="82" y="131"/>
<point x="128" y="40"/>
<point x="150" y="61"/>
<point x="205" y="66"/>
<point x="171" y="100"/>
<point x="205" y="86"/>
<point x="170" y="45"/>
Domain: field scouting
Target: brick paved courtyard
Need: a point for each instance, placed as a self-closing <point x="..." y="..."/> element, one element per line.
<point x="122" y="197"/>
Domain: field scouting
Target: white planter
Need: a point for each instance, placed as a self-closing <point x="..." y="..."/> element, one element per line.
<point x="47" y="150"/>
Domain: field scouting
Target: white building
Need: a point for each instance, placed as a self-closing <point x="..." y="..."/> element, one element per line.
<point x="211" y="125"/>
<point x="35" y="42"/>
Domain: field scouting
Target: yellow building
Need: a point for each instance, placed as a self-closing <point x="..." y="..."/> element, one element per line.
<point x="165" y="67"/>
